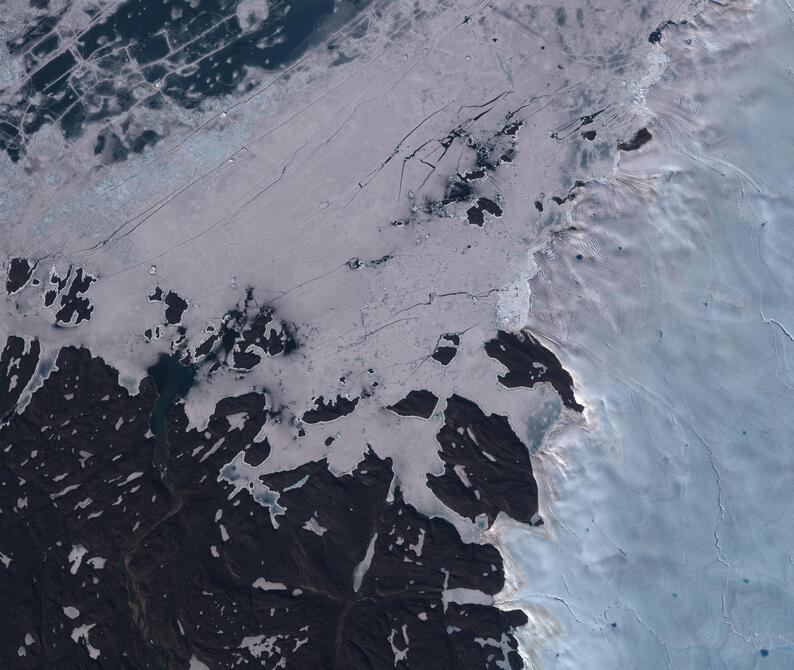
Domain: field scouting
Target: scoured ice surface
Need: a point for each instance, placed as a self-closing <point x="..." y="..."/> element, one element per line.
<point x="669" y="542"/>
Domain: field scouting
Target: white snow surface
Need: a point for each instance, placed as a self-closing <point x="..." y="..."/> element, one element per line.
<point x="667" y="541"/>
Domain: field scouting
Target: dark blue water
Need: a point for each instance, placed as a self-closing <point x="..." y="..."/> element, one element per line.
<point x="173" y="381"/>
<point x="182" y="52"/>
